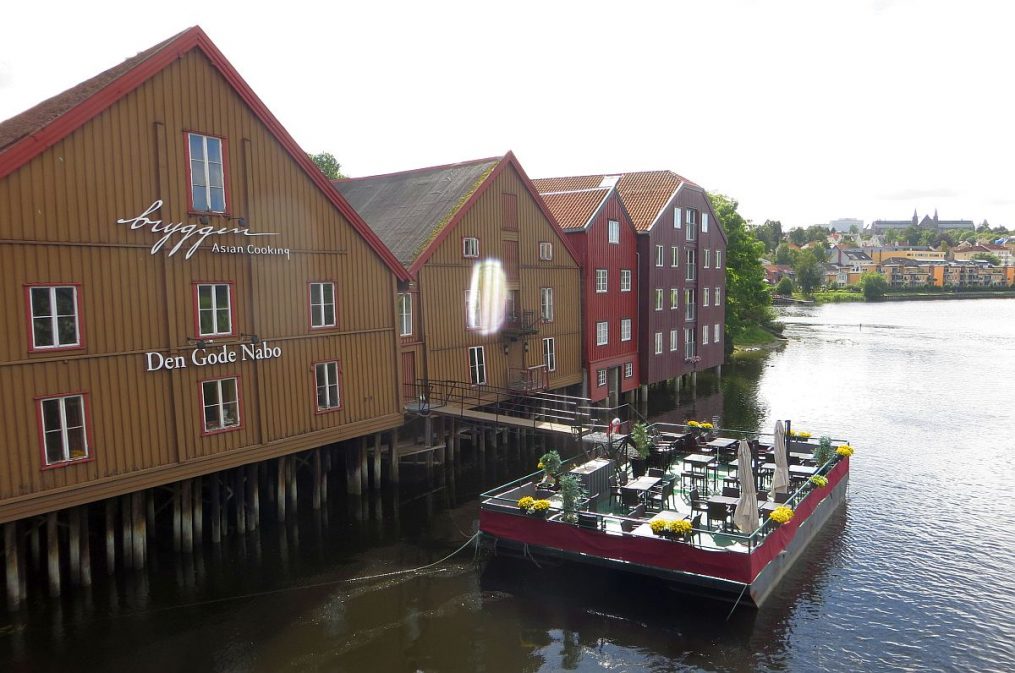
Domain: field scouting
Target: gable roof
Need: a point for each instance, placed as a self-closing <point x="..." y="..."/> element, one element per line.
<point x="26" y="135"/>
<point x="414" y="211"/>
<point x="575" y="209"/>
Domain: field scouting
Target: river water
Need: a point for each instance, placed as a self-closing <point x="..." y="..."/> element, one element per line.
<point x="916" y="573"/>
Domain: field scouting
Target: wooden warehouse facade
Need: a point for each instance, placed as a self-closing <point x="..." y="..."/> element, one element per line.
<point x="493" y="300"/>
<point x="182" y="288"/>
<point x="601" y="231"/>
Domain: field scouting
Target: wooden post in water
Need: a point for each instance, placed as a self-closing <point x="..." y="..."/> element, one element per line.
<point x="35" y="544"/>
<point x="126" y="531"/>
<point x="482" y="445"/>
<point x="53" y="554"/>
<point x="364" y="466"/>
<point x="86" y="549"/>
<point x="110" y="536"/>
<point x="216" y="509"/>
<point x="239" y="500"/>
<point x="393" y="458"/>
<point x="177" y="518"/>
<point x="280" y="489"/>
<point x="149" y="501"/>
<point x="74" y="544"/>
<point x="292" y="484"/>
<point x="12" y="556"/>
<point x="318" y="478"/>
<point x="139" y="532"/>
<point x="377" y="460"/>
<point x="187" y="516"/>
<point x="198" y="510"/>
<point x="355" y="483"/>
<point x="253" y="498"/>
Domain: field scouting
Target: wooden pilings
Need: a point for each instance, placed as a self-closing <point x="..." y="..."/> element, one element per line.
<point x="53" y="554"/>
<point x="12" y="556"/>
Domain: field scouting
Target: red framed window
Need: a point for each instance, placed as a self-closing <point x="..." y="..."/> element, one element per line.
<point x="207" y="170"/>
<point x="220" y="404"/>
<point x="328" y="386"/>
<point x="322" y="305"/>
<point x="63" y="429"/>
<point x="213" y="309"/>
<point x="54" y="321"/>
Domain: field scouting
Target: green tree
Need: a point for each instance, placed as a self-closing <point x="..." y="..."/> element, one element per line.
<point x="810" y="270"/>
<point x="784" y="287"/>
<point x="911" y="235"/>
<point x="816" y="232"/>
<point x="798" y="236"/>
<point x="748" y="298"/>
<point x="328" y="164"/>
<point x="770" y="233"/>
<point x="873" y="285"/>
<point x="987" y="257"/>
<point x="785" y="255"/>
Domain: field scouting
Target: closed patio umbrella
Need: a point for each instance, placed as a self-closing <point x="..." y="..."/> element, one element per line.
<point x="745" y="516"/>
<point x="780" y="481"/>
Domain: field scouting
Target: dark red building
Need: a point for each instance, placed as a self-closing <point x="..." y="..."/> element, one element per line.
<point x="600" y="230"/>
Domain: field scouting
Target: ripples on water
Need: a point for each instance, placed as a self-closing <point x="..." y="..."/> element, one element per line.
<point x="916" y="574"/>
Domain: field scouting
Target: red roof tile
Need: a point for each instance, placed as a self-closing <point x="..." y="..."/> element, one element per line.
<point x="574" y="209"/>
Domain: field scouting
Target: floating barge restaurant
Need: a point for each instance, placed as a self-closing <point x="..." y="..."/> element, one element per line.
<point x="622" y="519"/>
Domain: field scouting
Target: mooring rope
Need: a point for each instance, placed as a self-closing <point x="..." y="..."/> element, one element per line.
<point x="735" y="604"/>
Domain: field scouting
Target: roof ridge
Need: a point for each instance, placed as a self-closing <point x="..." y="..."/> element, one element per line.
<point x="471" y="162"/>
<point x="575" y="191"/>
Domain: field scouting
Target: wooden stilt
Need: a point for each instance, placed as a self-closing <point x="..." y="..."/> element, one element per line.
<point x="187" y="517"/>
<point x="74" y="544"/>
<point x="393" y="458"/>
<point x="177" y="518"/>
<point x="291" y="487"/>
<point x="12" y="556"/>
<point x="318" y="477"/>
<point x="364" y="469"/>
<point x="139" y="532"/>
<point x="198" y="511"/>
<point x="126" y="532"/>
<point x="326" y="461"/>
<point x="86" y="549"/>
<point x="377" y="460"/>
<point x="35" y="544"/>
<point x="216" y="509"/>
<point x="253" y="498"/>
<point x="354" y="465"/>
<point x="240" y="500"/>
<point x="53" y="554"/>
<point x="110" y="536"/>
<point x="149" y="502"/>
<point x="280" y="488"/>
<point x="482" y="445"/>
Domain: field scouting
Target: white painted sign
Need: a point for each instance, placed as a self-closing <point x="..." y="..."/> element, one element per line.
<point x="201" y="357"/>
<point x="196" y="235"/>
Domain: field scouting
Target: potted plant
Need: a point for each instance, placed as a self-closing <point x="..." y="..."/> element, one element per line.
<point x="571" y="493"/>
<point x="823" y="453"/>
<point x="549" y="463"/>
<point x="641" y="440"/>
<point x="532" y="506"/>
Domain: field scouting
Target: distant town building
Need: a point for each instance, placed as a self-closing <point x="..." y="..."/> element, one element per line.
<point x="928" y="222"/>
<point x="845" y="224"/>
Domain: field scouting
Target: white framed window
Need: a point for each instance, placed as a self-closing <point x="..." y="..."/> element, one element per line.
<point x="471" y="312"/>
<point x="322" y="305"/>
<point x="674" y="298"/>
<point x="207" y="173"/>
<point x="676" y="218"/>
<point x="689" y="347"/>
<point x="602" y="333"/>
<point x="625" y="329"/>
<point x="54" y="312"/>
<point x="704" y="296"/>
<point x="659" y="299"/>
<point x="692" y="217"/>
<point x="511" y="306"/>
<point x="690" y="267"/>
<point x="659" y="255"/>
<point x="220" y="399"/>
<point x="613" y="227"/>
<point x="545" y="251"/>
<point x="659" y="343"/>
<point x="704" y="223"/>
<point x="718" y="297"/>
<point x="706" y="260"/>
<point x="674" y="256"/>
<point x="214" y="309"/>
<point x="718" y="259"/>
<point x="64" y="429"/>
<point x="688" y="304"/>
<point x="329" y="395"/>
<point x="600" y="377"/>
<point x="470" y="247"/>
<point x="546" y="303"/>
<point x="715" y="333"/>
<point x="477" y="365"/>
<point x="601" y="280"/>
<point x="674" y="344"/>
<point x="550" y="354"/>
<point x="628" y="370"/>
<point x="704" y="335"/>
<point x="404" y="314"/>
<point x="625" y="280"/>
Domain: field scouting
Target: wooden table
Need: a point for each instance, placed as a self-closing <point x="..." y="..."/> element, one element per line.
<point x="641" y="485"/>
<point x="698" y="460"/>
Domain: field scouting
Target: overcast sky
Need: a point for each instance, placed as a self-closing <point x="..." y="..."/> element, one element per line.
<point x="803" y="111"/>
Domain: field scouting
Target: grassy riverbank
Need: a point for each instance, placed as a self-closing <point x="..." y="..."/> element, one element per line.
<point x="753" y="336"/>
<point x="839" y="296"/>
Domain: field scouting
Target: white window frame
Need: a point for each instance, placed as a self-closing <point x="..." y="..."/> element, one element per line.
<point x="550" y="354"/>
<point x="715" y="333"/>
<point x="704" y="335"/>
<point x="602" y="280"/>
<point x="602" y="333"/>
<point x="718" y="259"/>
<point x="215" y="308"/>
<point x="659" y="343"/>
<point x="600" y="378"/>
<point x="327" y="377"/>
<point x="674" y="298"/>
<point x="625" y="280"/>
<point x="704" y="223"/>
<point x="625" y="329"/>
<point x="404" y="314"/>
<point x="628" y="370"/>
<point x="62" y="429"/>
<point x="690" y="265"/>
<point x="718" y="296"/>
<point x="220" y="405"/>
<point x="689" y="346"/>
<point x="707" y="258"/>
<point x="659" y="255"/>
<point x="470" y="247"/>
<point x="546" y="251"/>
<point x="705" y="296"/>
<point x="613" y="231"/>
<point x="674" y="340"/>
<point x="201" y="168"/>
<point x="691" y="221"/>
<point x="546" y="304"/>
<point x="689" y="300"/>
<point x="318" y="305"/>
<point x="477" y="365"/>
<point x="659" y="299"/>
<point x="54" y="317"/>
<point x="677" y="215"/>
<point x="674" y="256"/>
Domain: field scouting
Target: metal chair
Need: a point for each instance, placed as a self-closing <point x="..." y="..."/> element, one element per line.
<point x="629" y="497"/>
<point x="731" y="491"/>
<point x="717" y="512"/>
<point x="697" y="504"/>
<point x="780" y="497"/>
<point x="656" y="472"/>
<point x="591" y="521"/>
<point x="660" y="497"/>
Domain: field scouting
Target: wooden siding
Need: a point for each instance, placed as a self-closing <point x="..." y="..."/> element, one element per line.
<point x="58" y="217"/>
<point x="445" y="278"/>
